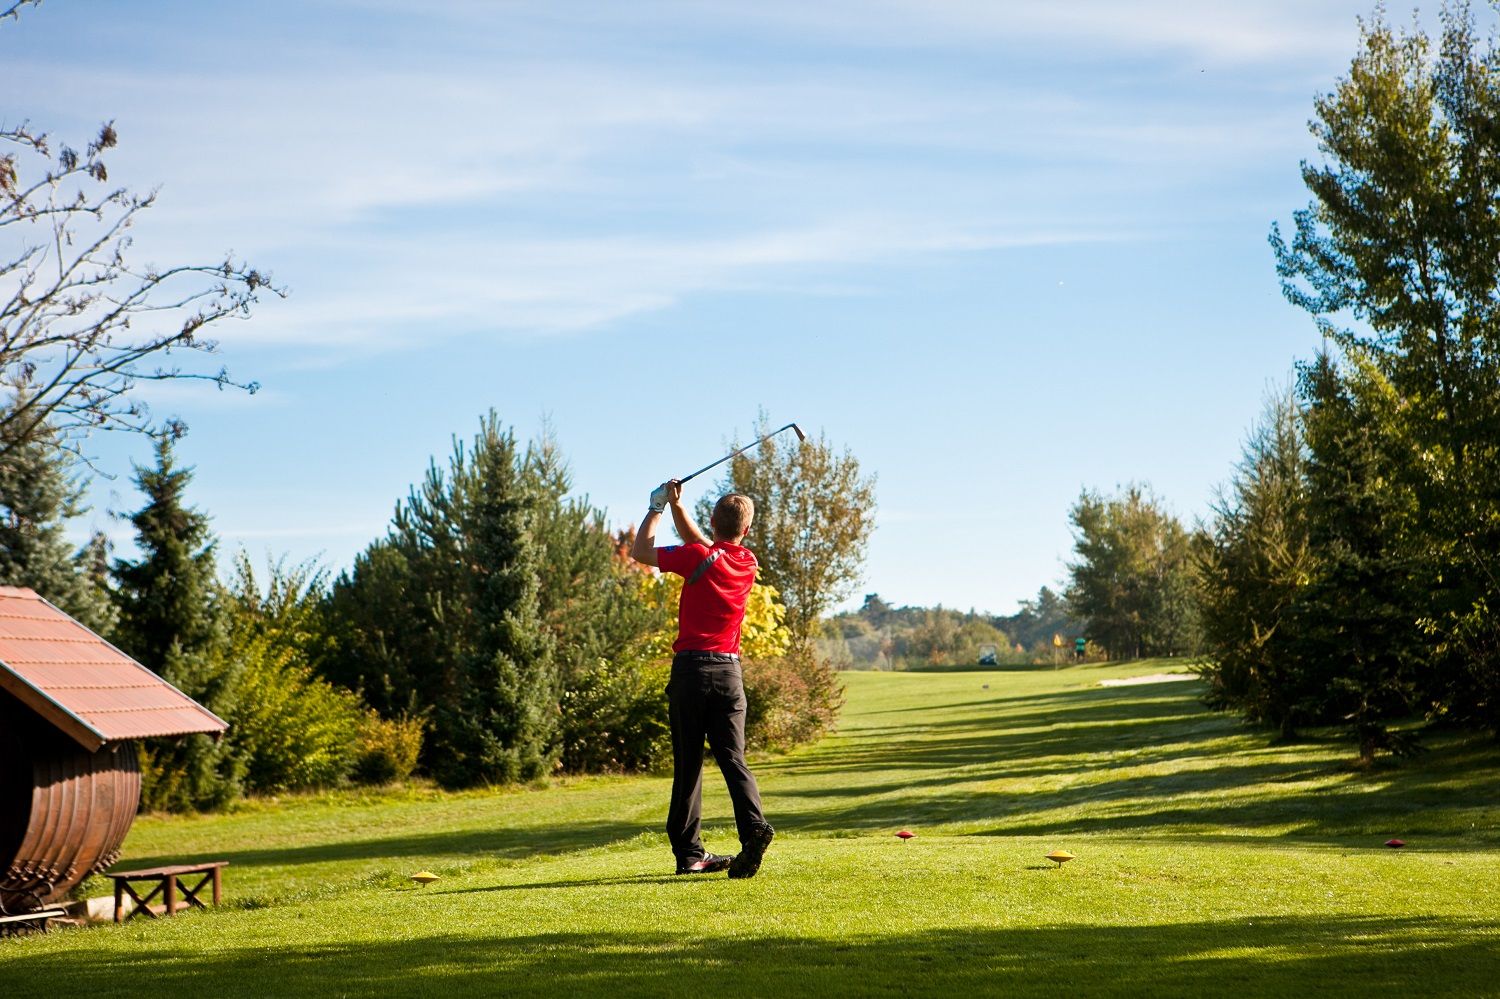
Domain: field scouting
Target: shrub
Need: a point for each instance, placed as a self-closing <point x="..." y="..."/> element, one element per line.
<point x="291" y="729"/>
<point x="288" y="728"/>
<point x="615" y="717"/>
<point x="793" y="699"/>
<point x="388" y="748"/>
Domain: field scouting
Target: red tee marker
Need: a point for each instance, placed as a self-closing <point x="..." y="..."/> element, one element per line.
<point x="904" y="835"/>
<point x="1395" y="844"/>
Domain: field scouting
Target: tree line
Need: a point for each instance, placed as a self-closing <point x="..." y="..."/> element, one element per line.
<point x="881" y="636"/>
<point x="498" y="631"/>
<point x="1349" y="574"/>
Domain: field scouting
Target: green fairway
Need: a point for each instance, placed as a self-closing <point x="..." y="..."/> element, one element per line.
<point x="1207" y="861"/>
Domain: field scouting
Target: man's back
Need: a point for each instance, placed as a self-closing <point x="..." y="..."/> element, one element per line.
<point x="714" y="593"/>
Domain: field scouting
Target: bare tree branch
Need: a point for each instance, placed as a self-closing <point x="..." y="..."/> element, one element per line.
<point x="14" y="10"/>
<point x="79" y="326"/>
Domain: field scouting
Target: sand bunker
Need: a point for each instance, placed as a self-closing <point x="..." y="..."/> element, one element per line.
<point x="1131" y="681"/>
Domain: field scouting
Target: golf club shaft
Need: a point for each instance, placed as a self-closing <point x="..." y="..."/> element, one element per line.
<point x="789" y="426"/>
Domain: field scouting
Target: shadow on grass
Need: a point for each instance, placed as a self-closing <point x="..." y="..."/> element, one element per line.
<point x="1072" y="762"/>
<point x="500" y="842"/>
<point x="1251" y="957"/>
<point x="628" y="879"/>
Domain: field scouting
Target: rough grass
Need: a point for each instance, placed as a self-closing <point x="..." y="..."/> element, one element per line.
<point x="1209" y="861"/>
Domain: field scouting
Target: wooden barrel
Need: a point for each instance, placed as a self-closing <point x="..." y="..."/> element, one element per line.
<point x="64" y="811"/>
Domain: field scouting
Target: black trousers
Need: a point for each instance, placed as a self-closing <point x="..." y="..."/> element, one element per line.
<point x="706" y="698"/>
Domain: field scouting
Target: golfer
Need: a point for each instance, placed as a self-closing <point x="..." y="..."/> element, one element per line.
<point x="706" y="695"/>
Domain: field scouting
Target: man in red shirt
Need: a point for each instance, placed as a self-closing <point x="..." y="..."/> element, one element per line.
<point x="706" y="695"/>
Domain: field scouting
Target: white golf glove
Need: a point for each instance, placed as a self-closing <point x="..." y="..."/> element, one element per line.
<point x="659" y="498"/>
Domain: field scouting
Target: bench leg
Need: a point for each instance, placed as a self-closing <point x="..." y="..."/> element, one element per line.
<point x="119" y="902"/>
<point x="171" y="894"/>
<point x="142" y="905"/>
<point x="218" y="884"/>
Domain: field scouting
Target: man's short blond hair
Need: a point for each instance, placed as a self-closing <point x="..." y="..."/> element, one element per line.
<point x="732" y="516"/>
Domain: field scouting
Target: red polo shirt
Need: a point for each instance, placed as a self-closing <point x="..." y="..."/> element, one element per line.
<point x="712" y="607"/>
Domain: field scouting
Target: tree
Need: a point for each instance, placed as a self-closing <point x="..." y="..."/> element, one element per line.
<point x="444" y="615"/>
<point x="1132" y="581"/>
<point x="37" y="499"/>
<point x="503" y="725"/>
<point x="288" y="728"/>
<point x="587" y="596"/>
<point x="1367" y="592"/>
<point x="1256" y="565"/>
<point x="172" y="620"/>
<point x="80" y="325"/>
<point x="814" y="514"/>
<point x="1037" y="620"/>
<point x="169" y="597"/>
<point x="1395" y="258"/>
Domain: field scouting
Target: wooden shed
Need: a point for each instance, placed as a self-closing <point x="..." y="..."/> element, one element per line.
<point x="71" y="706"/>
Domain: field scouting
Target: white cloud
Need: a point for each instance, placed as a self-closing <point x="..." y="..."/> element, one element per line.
<point x="564" y="285"/>
<point x="469" y="186"/>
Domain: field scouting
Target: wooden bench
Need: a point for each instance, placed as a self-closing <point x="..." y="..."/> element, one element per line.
<point x="9" y="923"/>
<point x="176" y="895"/>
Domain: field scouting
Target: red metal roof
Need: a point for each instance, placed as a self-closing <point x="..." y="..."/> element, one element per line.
<point x="84" y="685"/>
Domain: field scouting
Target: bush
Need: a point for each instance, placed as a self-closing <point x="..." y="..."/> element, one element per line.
<point x="615" y="717"/>
<point x="388" y="748"/>
<point x="793" y="699"/>
<point x="291" y="729"/>
<point x="288" y="728"/>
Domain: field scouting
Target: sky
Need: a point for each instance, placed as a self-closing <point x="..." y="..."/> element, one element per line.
<point x="1000" y="252"/>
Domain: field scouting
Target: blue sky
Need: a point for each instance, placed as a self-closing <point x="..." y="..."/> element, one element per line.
<point x="1000" y="251"/>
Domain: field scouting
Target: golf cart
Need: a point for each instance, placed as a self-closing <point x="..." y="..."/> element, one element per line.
<point x="987" y="656"/>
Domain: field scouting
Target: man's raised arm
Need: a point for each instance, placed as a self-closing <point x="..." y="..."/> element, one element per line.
<point x="644" y="548"/>
<point x="688" y="531"/>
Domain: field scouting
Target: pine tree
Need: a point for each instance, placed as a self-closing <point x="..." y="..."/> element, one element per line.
<point x="37" y="498"/>
<point x="503" y="726"/>
<point x="444" y="615"/>
<point x="1255" y="566"/>
<point x="1369" y="588"/>
<point x="169" y="595"/>
<point x="587" y="598"/>
<point x="172" y="621"/>
<point x="1395" y="258"/>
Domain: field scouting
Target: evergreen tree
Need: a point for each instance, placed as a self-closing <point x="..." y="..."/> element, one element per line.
<point x="1395" y="257"/>
<point x="503" y="724"/>
<point x="1368" y="590"/>
<point x="172" y="621"/>
<point x="444" y="615"/>
<point x="169" y="596"/>
<point x="1255" y="565"/>
<point x="37" y="498"/>
<point x="587" y="598"/>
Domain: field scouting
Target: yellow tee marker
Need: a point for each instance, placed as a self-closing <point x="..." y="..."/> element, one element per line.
<point x="424" y="877"/>
<point x="1059" y="857"/>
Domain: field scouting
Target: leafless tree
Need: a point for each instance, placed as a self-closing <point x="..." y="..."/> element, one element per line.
<point x="80" y="325"/>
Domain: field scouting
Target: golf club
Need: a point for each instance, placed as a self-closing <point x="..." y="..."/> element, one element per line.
<point x="790" y="426"/>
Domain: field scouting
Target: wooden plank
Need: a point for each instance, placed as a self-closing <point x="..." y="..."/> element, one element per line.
<point x="161" y="872"/>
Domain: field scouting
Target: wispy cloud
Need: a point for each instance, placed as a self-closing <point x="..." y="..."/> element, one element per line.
<point x="531" y="176"/>
<point x="566" y="285"/>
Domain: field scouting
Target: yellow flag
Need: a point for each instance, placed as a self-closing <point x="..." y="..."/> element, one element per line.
<point x="1057" y="641"/>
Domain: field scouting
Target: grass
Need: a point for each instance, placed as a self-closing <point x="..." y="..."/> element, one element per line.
<point x="1209" y="861"/>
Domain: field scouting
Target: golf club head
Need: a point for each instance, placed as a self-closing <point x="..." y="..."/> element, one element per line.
<point x="801" y="437"/>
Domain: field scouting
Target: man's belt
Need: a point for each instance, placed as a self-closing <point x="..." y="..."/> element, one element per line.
<point x="693" y="655"/>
